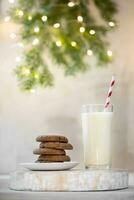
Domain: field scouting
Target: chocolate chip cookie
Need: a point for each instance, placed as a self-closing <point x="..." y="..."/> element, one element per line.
<point x="53" y="158"/>
<point x="48" y="151"/>
<point x="51" y="138"/>
<point x="56" y="145"/>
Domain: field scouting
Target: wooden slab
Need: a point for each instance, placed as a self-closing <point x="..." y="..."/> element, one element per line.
<point x="73" y="180"/>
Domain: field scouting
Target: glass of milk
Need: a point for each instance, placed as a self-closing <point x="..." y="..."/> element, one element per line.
<point x="96" y="127"/>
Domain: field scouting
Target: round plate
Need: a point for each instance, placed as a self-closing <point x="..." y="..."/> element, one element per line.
<point x="49" y="166"/>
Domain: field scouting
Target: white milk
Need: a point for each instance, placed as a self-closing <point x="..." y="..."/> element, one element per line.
<point x="97" y="138"/>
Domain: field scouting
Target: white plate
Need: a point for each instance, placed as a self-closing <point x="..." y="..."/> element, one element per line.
<point x="49" y="166"/>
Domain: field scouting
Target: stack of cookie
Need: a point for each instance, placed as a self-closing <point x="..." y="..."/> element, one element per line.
<point x="52" y="148"/>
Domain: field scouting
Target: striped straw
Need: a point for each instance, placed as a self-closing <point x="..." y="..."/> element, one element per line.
<point x="109" y="94"/>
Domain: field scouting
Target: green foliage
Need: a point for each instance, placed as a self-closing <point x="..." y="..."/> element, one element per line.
<point x="67" y="45"/>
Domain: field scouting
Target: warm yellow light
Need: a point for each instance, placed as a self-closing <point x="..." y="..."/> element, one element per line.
<point x="58" y="43"/>
<point x="25" y="71"/>
<point x="109" y="53"/>
<point x="89" y="52"/>
<point x="36" y="76"/>
<point x="44" y="18"/>
<point x="73" y="43"/>
<point x="82" y="29"/>
<point x="20" y="13"/>
<point x="7" y="18"/>
<point x="112" y="24"/>
<point x="35" y="41"/>
<point x="56" y="25"/>
<point x="80" y="18"/>
<point x="12" y="35"/>
<point x="92" y="32"/>
<point x="36" y="29"/>
<point x="32" y="91"/>
<point x="29" y="17"/>
<point x="71" y="4"/>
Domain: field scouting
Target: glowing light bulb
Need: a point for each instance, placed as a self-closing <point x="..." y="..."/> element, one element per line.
<point x="82" y="29"/>
<point x="80" y="19"/>
<point x="109" y="53"/>
<point x="71" y="4"/>
<point x="7" y="18"/>
<point x="20" y="44"/>
<point x="57" y="25"/>
<point x="11" y="1"/>
<point x="92" y="32"/>
<point x="58" y="43"/>
<point x="36" y="29"/>
<point x="36" y="76"/>
<point x="32" y="91"/>
<point x="29" y="17"/>
<point x="25" y="71"/>
<point x="13" y="36"/>
<point x="35" y="41"/>
<point x="89" y="52"/>
<point x="18" y="59"/>
<point x="20" y="13"/>
<point x="112" y="24"/>
<point x="44" y="18"/>
<point x="73" y="43"/>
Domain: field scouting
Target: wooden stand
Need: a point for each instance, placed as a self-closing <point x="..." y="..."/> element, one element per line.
<point x="73" y="180"/>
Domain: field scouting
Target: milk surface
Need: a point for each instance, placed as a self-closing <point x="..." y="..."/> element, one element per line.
<point x="97" y="138"/>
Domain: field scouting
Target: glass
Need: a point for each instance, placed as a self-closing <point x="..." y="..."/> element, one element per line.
<point x="96" y="128"/>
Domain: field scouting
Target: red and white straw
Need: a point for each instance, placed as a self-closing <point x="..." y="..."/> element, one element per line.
<point x="109" y="94"/>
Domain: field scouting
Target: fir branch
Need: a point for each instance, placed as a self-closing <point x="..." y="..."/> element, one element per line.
<point x="107" y="8"/>
<point x="71" y="49"/>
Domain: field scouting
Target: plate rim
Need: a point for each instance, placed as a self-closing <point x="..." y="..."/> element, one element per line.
<point x="53" y="163"/>
<point x="50" y="166"/>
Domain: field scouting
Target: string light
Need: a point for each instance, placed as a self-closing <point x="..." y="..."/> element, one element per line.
<point x="36" y="29"/>
<point x="109" y="53"/>
<point x="25" y="71"/>
<point x="58" y="43"/>
<point x="13" y="36"/>
<point x="29" y="17"/>
<point x="82" y="29"/>
<point x="80" y="18"/>
<point x="73" y="43"/>
<point x="19" y="13"/>
<point x="57" y="25"/>
<point x="44" y="18"/>
<point x="11" y="1"/>
<point x="112" y="24"/>
<point x="89" y="52"/>
<point x="7" y="18"/>
<point x="36" y="76"/>
<point x="71" y="4"/>
<point x="92" y="32"/>
<point x="35" y="41"/>
<point x="20" y="44"/>
<point x="18" y="59"/>
<point x="32" y="91"/>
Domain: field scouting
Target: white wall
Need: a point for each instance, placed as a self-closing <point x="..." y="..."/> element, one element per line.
<point x="57" y="110"/>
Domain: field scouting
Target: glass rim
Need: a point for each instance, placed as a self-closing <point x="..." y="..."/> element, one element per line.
<point x="96" y="104"/>
<point x="97" y="108"/>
